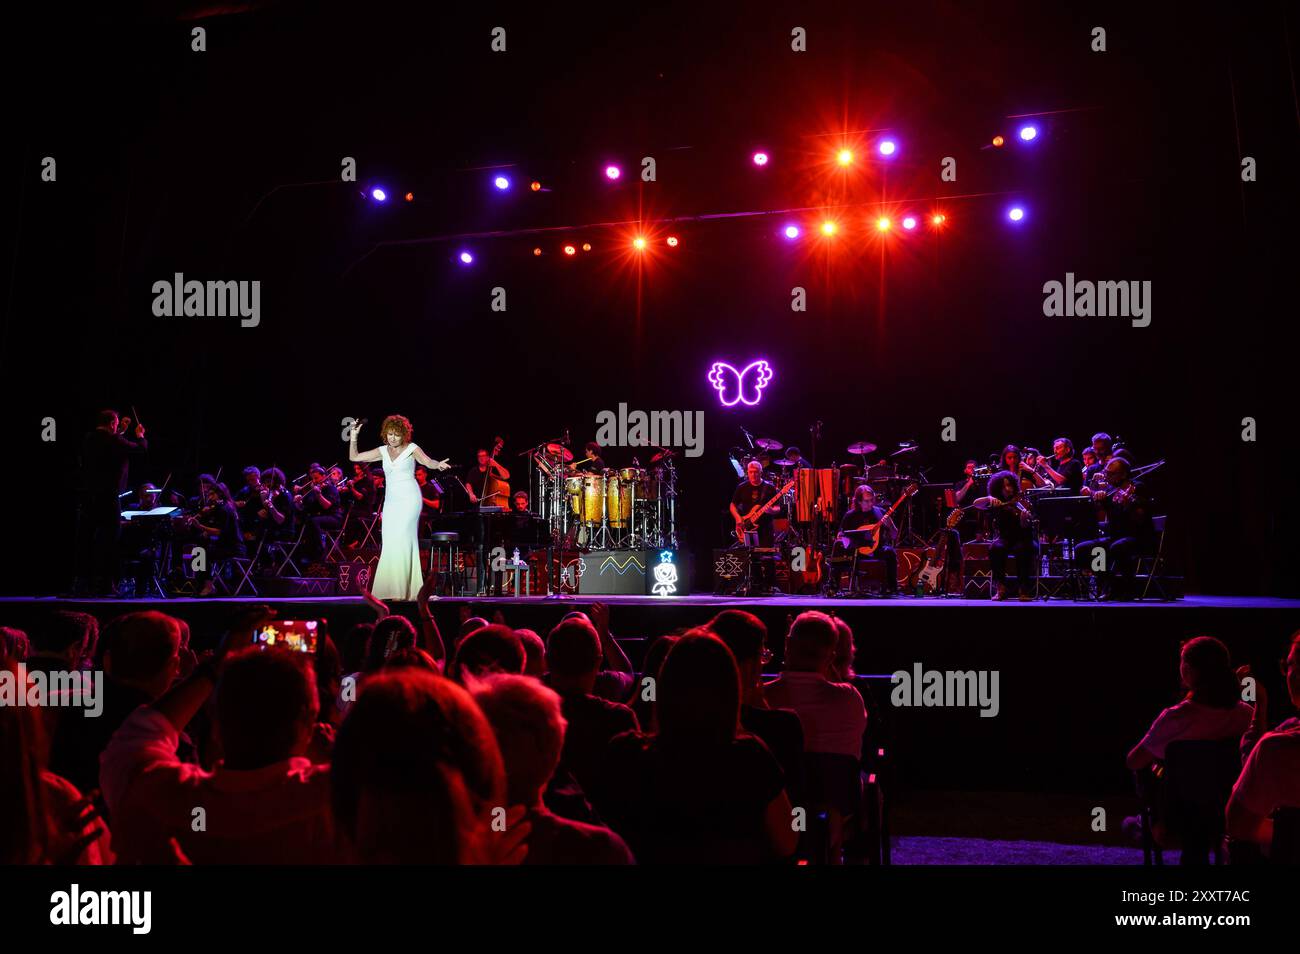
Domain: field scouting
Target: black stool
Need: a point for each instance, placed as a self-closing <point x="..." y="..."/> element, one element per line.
<point x="444" y="549"/>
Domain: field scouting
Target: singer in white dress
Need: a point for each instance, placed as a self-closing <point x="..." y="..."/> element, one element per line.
<point x="398" y="576"/>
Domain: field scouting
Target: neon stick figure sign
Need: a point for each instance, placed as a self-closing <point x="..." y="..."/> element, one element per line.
<point x="740" y="387"/>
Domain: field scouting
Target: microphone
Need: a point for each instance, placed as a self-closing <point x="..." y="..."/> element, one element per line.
<point x="565" y="441"/>
<point x="748" y="436"/>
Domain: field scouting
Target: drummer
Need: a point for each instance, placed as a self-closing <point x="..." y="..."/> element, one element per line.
<point x="793" y="459"/>
<point x="594" y="464"/>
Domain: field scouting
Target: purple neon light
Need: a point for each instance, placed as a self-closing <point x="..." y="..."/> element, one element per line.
<point x="740" y="387"/>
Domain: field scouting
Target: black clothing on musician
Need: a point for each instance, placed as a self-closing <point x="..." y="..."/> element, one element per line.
<point x="1016" y="540"/>
<point x="1072" y="471"/>
<point x="885" y="552"/>
<point x="964" y="491"/>
<point x="1127" y="534"/>
<point x="747" y="497"/>
<point x="321" y="517"/>
<point x="226" y="541"/>
<point x="490" y="489"/>
<point x="105" y="459"/>
<point x="361" y="494"/>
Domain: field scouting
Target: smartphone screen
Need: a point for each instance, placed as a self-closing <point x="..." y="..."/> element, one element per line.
<point x="295" y="635"/>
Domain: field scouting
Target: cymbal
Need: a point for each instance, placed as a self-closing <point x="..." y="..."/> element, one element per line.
<point x="665" y="454"/>
<point x="862" y="447"/>
<point x="905" y="449"/>
<point x="560" y="452"/>
<point x="769" y="443"/>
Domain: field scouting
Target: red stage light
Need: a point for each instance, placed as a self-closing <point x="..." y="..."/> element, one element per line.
<point x="570" y="250"/>
<point x="844" y="157"/>
<point x="536" y="186"/>
<point x="672" y="241"/>
<point x="938" y="219"/>
<point x="883" y="224"/>
<point x="537" y="251"/>
<point x="586" y="246"/>
<point x="410" y="196"/>
<point x="639" y="242"/>
<point x="998" y="141"/>
<point x="829" y="227"/>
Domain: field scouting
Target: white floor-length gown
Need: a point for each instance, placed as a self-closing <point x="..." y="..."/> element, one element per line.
<point x="398" y="575"/>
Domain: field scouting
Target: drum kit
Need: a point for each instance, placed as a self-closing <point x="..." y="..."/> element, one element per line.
<point x="613" y="508"/>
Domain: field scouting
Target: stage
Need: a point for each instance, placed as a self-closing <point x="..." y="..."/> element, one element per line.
<point x="1078" y="682"/>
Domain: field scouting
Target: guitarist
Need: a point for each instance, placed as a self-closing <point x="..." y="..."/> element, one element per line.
<point x="865" y="513"/>
<point x="753" y="492"/>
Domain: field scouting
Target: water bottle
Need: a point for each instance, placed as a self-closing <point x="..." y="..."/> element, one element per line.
<point x="516" y="559"/>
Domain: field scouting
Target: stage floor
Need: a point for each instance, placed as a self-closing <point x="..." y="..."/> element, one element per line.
<point x="1191" y="602"/>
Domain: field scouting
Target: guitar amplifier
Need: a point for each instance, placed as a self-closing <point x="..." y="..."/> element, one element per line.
<point x="729" y="567"/>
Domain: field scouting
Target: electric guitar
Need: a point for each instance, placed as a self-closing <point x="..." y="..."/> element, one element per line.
<point x="869" y="547"/>
<point x="749" y="522"/>
<point x="936" y="558"/>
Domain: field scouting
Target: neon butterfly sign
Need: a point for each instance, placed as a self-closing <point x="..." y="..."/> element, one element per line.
<point x="740" y="387"/>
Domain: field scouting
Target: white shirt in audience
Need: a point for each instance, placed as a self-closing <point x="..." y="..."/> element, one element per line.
<point x="1193" y="721"/>
<point x="832" y="713"/>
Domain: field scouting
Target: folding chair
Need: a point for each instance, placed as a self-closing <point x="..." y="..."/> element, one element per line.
<point x="1155" y="563"/>
<point x="289" y="551"/>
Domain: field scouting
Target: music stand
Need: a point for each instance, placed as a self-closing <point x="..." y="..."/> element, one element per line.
<point x="1072" y="519"/>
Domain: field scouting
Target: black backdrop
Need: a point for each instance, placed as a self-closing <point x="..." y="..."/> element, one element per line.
<point x="224" y="165"/>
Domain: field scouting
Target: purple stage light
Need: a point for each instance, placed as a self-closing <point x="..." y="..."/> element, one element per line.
<point x="740" y="387"/>
<point x="792" y="231"/>
<point x="888" y="147"/>
<point x="466" y="258"/>
<point x="501" y="182"/>
<point x="1015" y="213"/>
<point x="760" y="158"/>
<point x="379" y="195"/>
<point x="1028" y="133"/>
<point x="612" y="172"/>
<point x="909" y="222"/>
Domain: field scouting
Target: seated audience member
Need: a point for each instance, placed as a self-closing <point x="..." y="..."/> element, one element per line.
<point x="643" y="698"/>
<point x="780" y="730"/>
<point x="488" y="649"/>
<point x="534" y="653"/>
<point x="62" y="642"/>
<point x="842" y="663"/>
<point x="141" y="658"/>
<point x="1270" y="778"/>
<point x="1259" y="724"/>
<point x="697" y="790"/>
<point x="832" y="714"/>
<point x="263" y="803"/>
<point x="417" y="774"/>
<point x="14" y="646"/>
<point x="529" y="727"/>
<point x="412" y="658"/>
<point x="573" y="657"/>
<point x="44" y="820"/>
<point x="615" y="679"/>
<point x="1212" y="708"/>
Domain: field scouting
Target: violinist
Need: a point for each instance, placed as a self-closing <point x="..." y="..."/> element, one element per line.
<point x="318" y="502"/>
<point x="218" y="521"/>
<point x="1126" y="533"/>
<point x="257" y="508"/>
<point x="1015" y="535"/>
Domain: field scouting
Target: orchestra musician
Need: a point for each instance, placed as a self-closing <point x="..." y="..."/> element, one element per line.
<point x="318" y="502"/>
<point x="1015" y="535"/>
<point x="1062" y="468"/>
<point x="519" y="502"/>
<point x="256" y="503"/>
<point x="486" y="481"/>
<point x="594" y="461"/>
<point x="1013" y="461"/>
<point x="104" y="464"/>
<point x="1126" y="533"/>
<point x="1101" y="451"/>
<point x="218" y="521"/>
<point x="865" y="513"/>
<point x="963" y="490"/>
